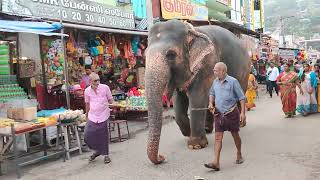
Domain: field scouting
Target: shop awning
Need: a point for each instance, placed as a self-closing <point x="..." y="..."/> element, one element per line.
<point x="103" y="29"/>
<point x="42" y="28"/>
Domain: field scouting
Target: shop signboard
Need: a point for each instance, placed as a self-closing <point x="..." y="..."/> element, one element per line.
<point x="286" y="53"/>
<point x="76" y="11"/>
<point x="183" y="9"/>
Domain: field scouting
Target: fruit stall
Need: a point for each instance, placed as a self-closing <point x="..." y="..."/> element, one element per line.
<point x="25" y="131"/>
<point x="134" y="106"/>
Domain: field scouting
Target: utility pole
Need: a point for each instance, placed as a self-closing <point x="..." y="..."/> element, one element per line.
<point x="282" y="29"/>
<point x="65" y="65"/>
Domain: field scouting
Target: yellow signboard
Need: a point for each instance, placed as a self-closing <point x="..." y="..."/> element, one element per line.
<point x="183" y="9"/>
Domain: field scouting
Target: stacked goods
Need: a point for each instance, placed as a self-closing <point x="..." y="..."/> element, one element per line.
<point x="23" y="110"/>
<point x="8" y="79"/>
<point x="137" y="99"/>
<point x="9" y="89"/>
<point x="137" y="103"/>
<point x="4" y="59"/>
<point x="23" y="113"/>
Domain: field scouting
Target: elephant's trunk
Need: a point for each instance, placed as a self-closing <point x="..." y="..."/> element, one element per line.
<point x="157" y="73"/>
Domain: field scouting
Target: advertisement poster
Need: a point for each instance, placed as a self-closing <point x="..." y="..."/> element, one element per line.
<point x="183" y="9"/>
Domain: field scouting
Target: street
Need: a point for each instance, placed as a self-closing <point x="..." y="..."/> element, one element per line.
<point x="273" y="148"/>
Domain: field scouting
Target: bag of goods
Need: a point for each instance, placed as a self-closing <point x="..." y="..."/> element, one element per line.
<point x="5" y="122"/>
<point x="29" y="113"/>
<point x="14" y="113"/>
<point x="9" y="113"/>
<point x="48" y="121"/>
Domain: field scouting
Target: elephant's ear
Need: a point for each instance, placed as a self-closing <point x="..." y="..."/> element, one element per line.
<point x="200" y="46"/>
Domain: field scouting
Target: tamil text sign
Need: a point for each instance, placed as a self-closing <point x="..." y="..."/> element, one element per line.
<point x="77" y="11"/>
<point x="286" y="53"/>
<point x="183" y="9"/>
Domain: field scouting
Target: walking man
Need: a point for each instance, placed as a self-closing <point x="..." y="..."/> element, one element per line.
<point x="274" y="73"/>
<point x="97" y="98"/>
<point x="225" y="93"/>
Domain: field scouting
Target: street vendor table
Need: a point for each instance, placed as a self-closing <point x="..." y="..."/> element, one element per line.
<point x="12" y="141"/>
<point x="66" y="130"/>
<point x="129" y="112"/>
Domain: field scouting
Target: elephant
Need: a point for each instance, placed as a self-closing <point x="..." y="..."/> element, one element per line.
<point x="179" y="61"/>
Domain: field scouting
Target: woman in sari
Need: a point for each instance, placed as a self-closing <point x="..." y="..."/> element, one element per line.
<point x="251" y="92"/>
<point x="288" y="80"/>
<point x="307" y="102"/>
<point x="316" y="69"/>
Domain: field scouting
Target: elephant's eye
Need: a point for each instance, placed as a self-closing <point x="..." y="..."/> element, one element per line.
<point x="171" y="55"/>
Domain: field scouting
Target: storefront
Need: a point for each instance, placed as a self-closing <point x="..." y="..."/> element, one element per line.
<point x="117" y="58"/>
<point x="101" y="36"/>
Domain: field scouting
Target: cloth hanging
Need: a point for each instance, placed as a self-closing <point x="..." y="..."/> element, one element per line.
<point x="135" y="44"/>
<point x="139" y="8"/>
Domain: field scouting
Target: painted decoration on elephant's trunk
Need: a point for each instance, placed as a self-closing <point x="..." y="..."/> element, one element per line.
<point x="183" y="9"/>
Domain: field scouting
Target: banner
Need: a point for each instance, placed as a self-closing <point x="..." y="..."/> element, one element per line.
<point x="77" y="11"/>
<point x="183" y="9"/>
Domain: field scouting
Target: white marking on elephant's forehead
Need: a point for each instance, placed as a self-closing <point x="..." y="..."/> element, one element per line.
<point x="158" y="35"/>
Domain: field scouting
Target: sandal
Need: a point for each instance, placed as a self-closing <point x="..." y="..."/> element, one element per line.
<point x="239" y="161"/>
<point x="107" y="160"/>
<point x="212" y="166"/>
<point x="93" y="157"/>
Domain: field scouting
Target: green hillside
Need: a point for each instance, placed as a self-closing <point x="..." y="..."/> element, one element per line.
<point x="306" y="16"/>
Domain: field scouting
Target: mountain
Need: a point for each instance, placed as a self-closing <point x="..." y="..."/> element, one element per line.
<point x="300" y="17"/>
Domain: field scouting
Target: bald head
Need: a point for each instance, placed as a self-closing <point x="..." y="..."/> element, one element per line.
<point x="220" y="70"/>
<point x="94" y="80"/>
<point x="221" y="66"/>
<point x="93" y="76"/>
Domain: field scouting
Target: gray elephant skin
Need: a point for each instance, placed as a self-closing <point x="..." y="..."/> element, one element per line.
<point x="179" y="61"/>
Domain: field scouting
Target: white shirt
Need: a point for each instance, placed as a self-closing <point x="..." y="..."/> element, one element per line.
<point x="274" y="74"/>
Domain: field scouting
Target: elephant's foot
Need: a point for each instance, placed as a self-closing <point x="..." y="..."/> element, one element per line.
<point x="197" y="142"/>
<point x="209" y="129"/>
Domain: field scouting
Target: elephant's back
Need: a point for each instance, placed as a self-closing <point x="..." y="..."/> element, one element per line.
<point x="232" y="53"/>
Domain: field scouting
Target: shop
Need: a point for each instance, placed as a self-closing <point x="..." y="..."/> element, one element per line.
<point x="101" y="35"/>
<point x="117" y="58"/>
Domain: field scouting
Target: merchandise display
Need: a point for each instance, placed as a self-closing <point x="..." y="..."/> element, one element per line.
<point x="118" y="60"/>
<point x="48" y="119"/>
<point x="10" y="89"/>
<point x="4" y="59"/>
<point x="136" y="100"/>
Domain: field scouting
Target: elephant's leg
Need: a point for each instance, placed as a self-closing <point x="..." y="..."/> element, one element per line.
<point x="181" y="104"/>
<point x="198" y="119"/>
<point x="209" y="122"/>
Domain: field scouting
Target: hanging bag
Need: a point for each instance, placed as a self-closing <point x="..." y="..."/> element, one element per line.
<point x="71" y="44"/>
<point x="100" y="47"/>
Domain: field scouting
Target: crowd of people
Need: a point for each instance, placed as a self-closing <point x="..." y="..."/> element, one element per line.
<point x="296" y="83"/>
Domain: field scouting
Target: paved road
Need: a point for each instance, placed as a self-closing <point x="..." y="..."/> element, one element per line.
<point x="274" y="148"/>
